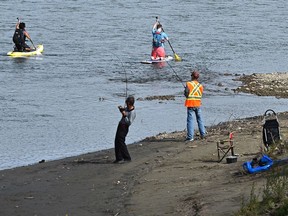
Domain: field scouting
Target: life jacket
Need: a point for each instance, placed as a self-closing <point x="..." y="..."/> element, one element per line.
<point x="157" y="38"/>
<point x="19" y="37"/>
<point x="195" y="94"/>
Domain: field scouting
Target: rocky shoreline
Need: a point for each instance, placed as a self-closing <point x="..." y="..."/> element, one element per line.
<point x="272" y="84"/>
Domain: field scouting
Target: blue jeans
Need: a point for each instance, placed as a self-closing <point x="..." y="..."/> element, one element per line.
<point x="190" y="125"/>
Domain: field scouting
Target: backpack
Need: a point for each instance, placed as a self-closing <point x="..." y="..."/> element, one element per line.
<point x="157" y="38"/>
<point x="18" y="37"/>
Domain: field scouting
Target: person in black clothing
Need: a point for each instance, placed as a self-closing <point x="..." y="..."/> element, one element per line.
<point x="20" y="36"/>
<point x="128" y="116"/>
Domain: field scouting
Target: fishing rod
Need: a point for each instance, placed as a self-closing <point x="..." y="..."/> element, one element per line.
<point x="176" y="74"/>
<point x="126" y="79"/>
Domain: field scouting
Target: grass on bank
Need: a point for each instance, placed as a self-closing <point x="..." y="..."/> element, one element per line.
<point x="274" y="199"/>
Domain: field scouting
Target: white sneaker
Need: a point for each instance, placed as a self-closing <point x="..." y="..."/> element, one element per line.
<point x="189" y="140"/>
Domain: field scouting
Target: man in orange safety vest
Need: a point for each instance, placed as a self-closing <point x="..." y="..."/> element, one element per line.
<point x="193" y="93"/>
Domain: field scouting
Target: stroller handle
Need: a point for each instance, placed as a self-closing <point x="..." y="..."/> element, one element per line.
<point x="269" y="110"/>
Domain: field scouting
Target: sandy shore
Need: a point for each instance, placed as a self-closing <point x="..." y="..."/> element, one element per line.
<point x="166" y="177"/>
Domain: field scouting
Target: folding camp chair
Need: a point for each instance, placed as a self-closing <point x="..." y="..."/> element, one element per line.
<point x="221" y="149"/>
<point x="271" y="131"/>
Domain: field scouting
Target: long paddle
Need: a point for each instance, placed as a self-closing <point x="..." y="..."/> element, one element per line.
<point x="177" y="58"/>
<point x="32" y="43"/>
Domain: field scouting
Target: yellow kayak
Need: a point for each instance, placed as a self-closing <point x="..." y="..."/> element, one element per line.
<point x="38" y="51"/>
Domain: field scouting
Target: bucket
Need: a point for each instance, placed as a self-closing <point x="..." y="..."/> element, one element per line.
<point x="231" y="159"/>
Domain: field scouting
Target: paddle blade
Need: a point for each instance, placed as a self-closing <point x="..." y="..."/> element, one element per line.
<point x="177" y="58"/>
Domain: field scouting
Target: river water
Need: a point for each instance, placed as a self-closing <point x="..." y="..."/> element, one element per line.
<point x="64" y="103"/>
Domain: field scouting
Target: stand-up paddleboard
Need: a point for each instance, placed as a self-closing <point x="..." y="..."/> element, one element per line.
<point x="38" y="51"/>
<point x="167" y="58"/>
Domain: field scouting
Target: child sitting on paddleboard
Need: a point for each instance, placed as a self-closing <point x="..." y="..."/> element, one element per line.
<point x="20" y="36"/>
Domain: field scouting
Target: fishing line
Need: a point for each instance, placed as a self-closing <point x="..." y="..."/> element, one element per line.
<point x="176" y="75"/>
<point x="126" y="79"/>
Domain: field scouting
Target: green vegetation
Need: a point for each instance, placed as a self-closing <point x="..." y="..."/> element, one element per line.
<point x="274" y="200"/>
<point x="274" y="197"/>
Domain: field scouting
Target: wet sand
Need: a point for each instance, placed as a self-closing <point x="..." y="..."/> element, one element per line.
<point x="167" y="176"/>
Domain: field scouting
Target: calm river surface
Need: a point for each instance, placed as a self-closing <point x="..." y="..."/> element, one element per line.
<point x="64" y="103"/>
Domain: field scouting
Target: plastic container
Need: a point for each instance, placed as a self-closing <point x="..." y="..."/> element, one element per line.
<point x="231" y="159"/>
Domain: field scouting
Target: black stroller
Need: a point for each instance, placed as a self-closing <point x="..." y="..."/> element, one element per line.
<point x="271" y="130"/>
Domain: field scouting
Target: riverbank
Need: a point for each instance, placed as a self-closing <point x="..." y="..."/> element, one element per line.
<point x="166" y="177"/>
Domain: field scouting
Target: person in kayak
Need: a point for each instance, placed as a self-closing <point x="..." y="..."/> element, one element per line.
<point x="159" y="37"/>
<point x="20" y="36"/>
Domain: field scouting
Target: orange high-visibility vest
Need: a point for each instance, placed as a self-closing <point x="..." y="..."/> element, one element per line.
<point x="195" y="94"/>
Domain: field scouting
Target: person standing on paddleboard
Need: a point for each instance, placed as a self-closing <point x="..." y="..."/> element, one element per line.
<point x="128" y="115"/>
<point x="193" y="93"/>
<point x="159" y="37"/>
<point x="20" y="36"/>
